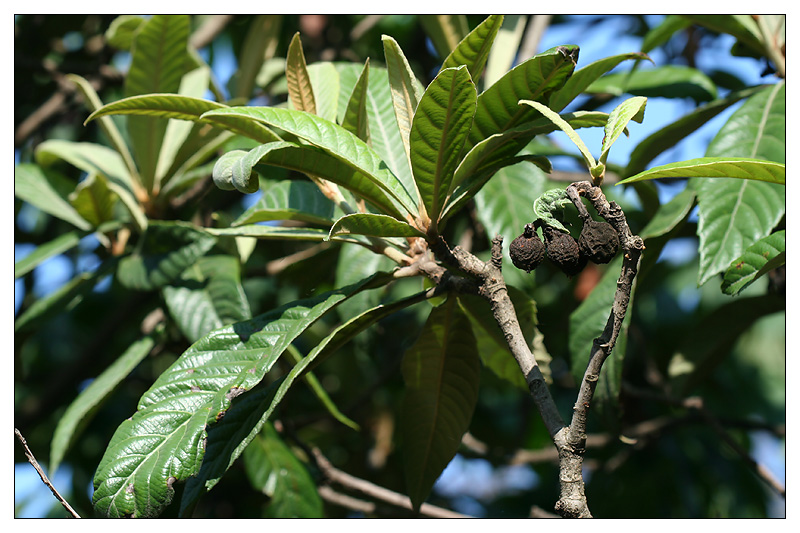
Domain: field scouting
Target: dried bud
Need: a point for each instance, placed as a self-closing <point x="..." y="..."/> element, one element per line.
<point x="527" y="250"/>
<point x="562" y="249"/>
<point x="598" y="241"/>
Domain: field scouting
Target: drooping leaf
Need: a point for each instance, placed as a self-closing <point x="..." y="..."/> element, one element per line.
<point x="669" y="81"/>
<point x="207" y="296"/>
<point x="717" y="167"/>
<point x="550" y="201"/>
<point x="47" y="190"/>
<point x="440" y="128"/>
<point x="758" y="259"/>
<point x="334" y="141"/>
<point x="669" y="135"/>
<point x="289" y="200"/>
<point x="185" y="108"/>
<point x="562" y="124"/>
<point x="733" y="213"/>
<point x="406" y="89"/>
<point x="301" y="94"/>
<point x="163" y="443"/>
<point x="473" y="50"/>
<point x="374" y="225"/>
<point x="498" y="106"/>
<point x="630" y="109"/>
<point x="168" y="248"/>
<point x="273" y="469"/>
<point x="84" y="407"/>
<point x="356" y="118"/>
<point x="445" y="31"/>
<point x="158" y="61"/>
<point x="582" y="78"/>
<point x="441" y="372"/>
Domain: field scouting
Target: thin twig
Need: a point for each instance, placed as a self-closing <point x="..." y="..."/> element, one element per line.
<point x="32" y="460"/>
<point x="363" y="486"/>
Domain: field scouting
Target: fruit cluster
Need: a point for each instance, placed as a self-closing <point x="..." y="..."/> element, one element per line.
<point x="598" y="242"/>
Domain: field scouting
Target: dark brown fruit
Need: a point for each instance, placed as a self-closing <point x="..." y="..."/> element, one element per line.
<point x="527" y="250"/>
<point x="598" y="241"/>
<point x="563" y="251"/>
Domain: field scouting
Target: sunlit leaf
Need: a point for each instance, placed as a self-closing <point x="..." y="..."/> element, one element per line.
<point x="717" y="167"/>
<point x="473" y="50"/>
<point x="374" y="225"/>
<point x="47" y="190"/>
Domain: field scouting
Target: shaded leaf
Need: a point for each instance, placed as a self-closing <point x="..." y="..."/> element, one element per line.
<point x="326" y="83"/>
<point x="473" y="50"/>
<point x="47" y="190"/>
<point x="84" y="407"/>
<point x="57" y="246"/>
<point x="273" y="469"/>
<point x="406" y="89"/>
<point x="441" y="372"/>
<point x="163" y="443"/>
<point x="289" y="200"/>
<point x="374" y="225"/>
<point x="93" y="200"/>
<point x="168" y="248"/>
<point x="758" y="259"/>
<point x="504" y="52"/>
<point x="356" y="118"/>
<point x="669" y="81"/>
<point x="445" y="31"/>
<point x="440" y="128"/>
<point x="669" y="215"/>
<point x="259" y="45"/>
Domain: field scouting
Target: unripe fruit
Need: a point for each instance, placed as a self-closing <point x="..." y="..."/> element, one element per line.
<point x="527" y="250"/>
<point x="598" y="241"/>
<point x="563" y="251"/>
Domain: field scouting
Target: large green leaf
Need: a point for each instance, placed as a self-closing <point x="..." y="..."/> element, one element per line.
<point x="669" y="215"/>
<point x="84" y="407"/>
<point x="273" y="469"/>
<point x="736" y="213"/>
<point x="228" y="438"/>
<point x="289" y="200"/>
<point x="441" y="372"/>
<point x="167" y="249"/>
<point x="334" y="141"/>
<point x="498" y="106"/>
<point x="384" y="134"/>
<point x="438" y="132"/>
<point x="406" y="89"/>
<point x="325" y="80"/>
<point x="717" y="167"/>
<point x="164" y="441"/>
<point x="207" y="296"/>
<point x="158" y="61"/>
<point x="473" y="50"/>
<point x="185" y="108"/>
<point x="669" y="81"/>
<point x="504" y="52"/>
<point x="47" y="190"/>
<point x="758" y="259"/>
<point x="582" y="78"/>
<point x="356" y="118"/>
<point x="41" y="253"/>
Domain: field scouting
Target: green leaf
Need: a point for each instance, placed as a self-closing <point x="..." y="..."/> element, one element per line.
<point x="441" y="372"/>
<point x="47" y="190"/>
<point x="334" y="141"/>
<point x="582" y="78"/>
<point x="374" y="225"/>
<point x="440" y="128"/>
<point x="717" y="167"/>
<point x="384" y="134"/>
<point x="207" y="296"/>
<point x="587" y="323"/>
<point x="93" y="200"/>
<point x="280" y="233"/>
<point x="669" y="135"/>
<point x="41" y="253"/>
<point x="158" y="61"/>
<point x="301" y="94"/>
<point x="743" y="27"/>
<point x="758" y="259"/>
<point x="473" y="50"/>
<point x="84" y="407"/>
<point x="163" y="443"/>
<point x="259" y="45"/>
<point x="122" y="30"/>
<point x="406" y="89"/>
<point x="356" y="118"/>
<point x="670" y="81"/>
<point x="303" y="158"/>
<point x="669" y="215"/>
<point x="504" y="52"/>
<point x="290" y="200"/>
<point x="222" y="174"/>
<point x="498" y="106"/>
<point x="166" y="250"/>
<point x="549" y="201"/>
<point x="630" y="109"/>
<point x="662" y="33"/>
<point x="355" y="263"/>
<point x="273" y="469"/>
<point x="326" y="83"/>
<point x="185" y="108"/>
<point x="556" y="119"/>
<point x="736" y="213"/>
<point x="445" y="31"/>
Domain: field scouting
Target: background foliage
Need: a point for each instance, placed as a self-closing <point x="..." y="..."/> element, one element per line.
<point x="103" y="313"/>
